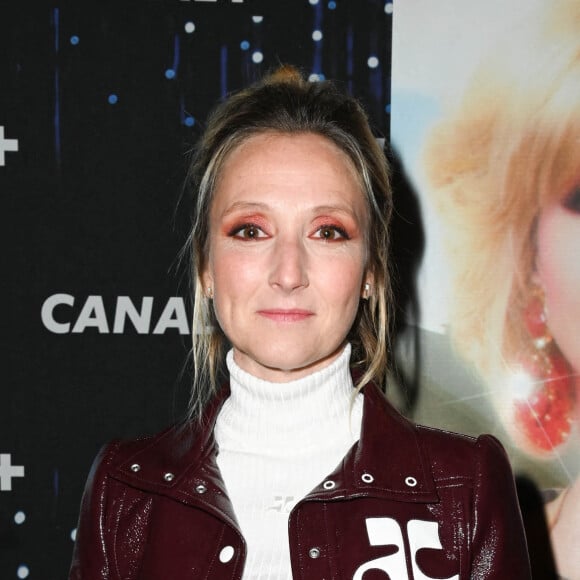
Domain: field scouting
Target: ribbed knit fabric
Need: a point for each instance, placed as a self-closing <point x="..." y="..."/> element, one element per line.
<point x="277" y="441"/>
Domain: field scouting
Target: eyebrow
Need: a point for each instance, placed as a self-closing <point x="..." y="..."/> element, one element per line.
<point x="334" y="208"/>
<point x="244" y="206"/>
<point x="258" y="206"/>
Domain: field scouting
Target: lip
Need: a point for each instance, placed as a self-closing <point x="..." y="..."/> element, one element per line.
<point x="286" y="314"/>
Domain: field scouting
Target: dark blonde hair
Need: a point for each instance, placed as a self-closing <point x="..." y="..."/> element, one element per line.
<point x="284" y="103"/>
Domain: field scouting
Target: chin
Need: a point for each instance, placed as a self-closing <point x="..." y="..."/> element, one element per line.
<point x="285" y="362"/>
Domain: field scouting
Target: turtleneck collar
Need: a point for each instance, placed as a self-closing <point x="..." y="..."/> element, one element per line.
<point x="300" y="414"/>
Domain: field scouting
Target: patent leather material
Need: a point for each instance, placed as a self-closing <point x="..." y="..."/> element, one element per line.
<point x="406" y="502"/>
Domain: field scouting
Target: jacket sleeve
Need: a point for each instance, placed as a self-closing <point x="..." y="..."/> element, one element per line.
<point x="498" y="544"/>
<point x="90" y="559"/>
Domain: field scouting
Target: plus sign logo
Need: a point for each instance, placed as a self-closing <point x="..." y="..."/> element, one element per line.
<point x="8" y="471"/>
<point x="6" y="145"/>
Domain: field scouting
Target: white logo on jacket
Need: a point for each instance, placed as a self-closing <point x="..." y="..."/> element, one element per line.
<point x="388" y="532"/>
<point x="282" y="504"/>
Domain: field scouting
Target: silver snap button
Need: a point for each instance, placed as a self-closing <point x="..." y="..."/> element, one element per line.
<point x="410" y="481"/>
<point x="367" y="478"/>
<point x="226" y="554"/>
<point x="329" y="484"/>
<point x="169" y="476"/>
<point x="200" y="488"/>
<point x="135" y="467"/>
<point x="314" y="553"/>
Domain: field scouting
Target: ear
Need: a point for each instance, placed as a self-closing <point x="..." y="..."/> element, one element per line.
<point x="206" y="281"/>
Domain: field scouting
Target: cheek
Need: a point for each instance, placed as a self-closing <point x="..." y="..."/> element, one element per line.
<point x="558" y="261"/>
<point x="235" y="278"/>
<point x="229" y="266"/>
<point x="341" y="281"/>
<point x="558" y="267"/>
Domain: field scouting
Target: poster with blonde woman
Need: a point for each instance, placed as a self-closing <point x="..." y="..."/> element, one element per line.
<point x="486" y="120"/>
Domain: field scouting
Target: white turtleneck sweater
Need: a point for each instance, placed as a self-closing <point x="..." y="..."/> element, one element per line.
<point x="277" y="441"/>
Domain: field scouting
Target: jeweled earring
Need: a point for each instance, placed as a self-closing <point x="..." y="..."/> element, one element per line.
<point x="546" y="415"/>
<point x="210" y="292"/>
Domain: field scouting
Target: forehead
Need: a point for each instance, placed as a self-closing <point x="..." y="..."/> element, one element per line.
<point x="289" y="165"/>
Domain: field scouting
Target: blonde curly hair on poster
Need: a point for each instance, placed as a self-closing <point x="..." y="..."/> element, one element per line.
<point x="508" y="151"/>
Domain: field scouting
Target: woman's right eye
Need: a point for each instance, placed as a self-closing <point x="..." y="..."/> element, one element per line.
<point x="247" y="232"/>
<point x="572" y="200"/>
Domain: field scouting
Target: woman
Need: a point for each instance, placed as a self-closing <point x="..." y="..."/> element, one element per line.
<point x="505" y="170"/>
<point x="285" y="469"/>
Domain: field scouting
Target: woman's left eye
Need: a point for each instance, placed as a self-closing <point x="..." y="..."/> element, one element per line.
<point x="572" y="200"/>
<point x="331" y="233"/>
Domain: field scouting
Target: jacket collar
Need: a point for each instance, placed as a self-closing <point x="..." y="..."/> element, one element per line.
<point x="388" y="461"/>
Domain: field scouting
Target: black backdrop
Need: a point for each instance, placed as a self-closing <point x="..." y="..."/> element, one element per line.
<point x="103" y="101"/>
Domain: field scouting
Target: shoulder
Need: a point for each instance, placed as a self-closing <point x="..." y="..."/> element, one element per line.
<point x="155" y="463"/>
<point x="173" y="451"/>
<point x="167" y="446"/>
<point x="442" y="457"/>
<point x="444" y="450"/>
<point x="117" y="451"/>
<point x="463" y="455"/>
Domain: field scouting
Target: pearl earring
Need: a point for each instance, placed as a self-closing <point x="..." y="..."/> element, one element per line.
<point x="209" y="292"/>
<point x="367" y="290"/>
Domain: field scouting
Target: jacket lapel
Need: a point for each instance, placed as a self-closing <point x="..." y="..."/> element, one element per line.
<point x="180" y="463"/>
<point x="388" y="460"/>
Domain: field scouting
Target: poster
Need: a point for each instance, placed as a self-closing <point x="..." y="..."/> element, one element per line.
<point x="485" y="120"/>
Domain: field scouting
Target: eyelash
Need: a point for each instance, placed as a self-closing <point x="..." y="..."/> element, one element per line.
<point x="234" y="232"/>
<point x="337" y="229"/>
<point x="572" y="200"/>
<point x="239" y="229"/>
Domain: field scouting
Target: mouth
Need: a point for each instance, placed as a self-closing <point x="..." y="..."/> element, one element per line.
<point x="286" y="315"/>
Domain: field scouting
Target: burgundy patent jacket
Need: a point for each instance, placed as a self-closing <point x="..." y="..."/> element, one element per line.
<point x="406" y="503"/>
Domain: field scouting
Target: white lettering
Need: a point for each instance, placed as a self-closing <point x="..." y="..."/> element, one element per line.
<point x="126" y="309"/>
<point x="385" y="532"/>
<point x="92" y="316"/>
<point x="423" y="534"/>
<point x="173" y="316"/>
<point x="388" y="532"/>
<point x="127" y="314"/>
<point x="47" y="313"/>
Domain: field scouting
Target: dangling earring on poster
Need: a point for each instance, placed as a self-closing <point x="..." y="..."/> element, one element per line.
<point x="546" y="416"/>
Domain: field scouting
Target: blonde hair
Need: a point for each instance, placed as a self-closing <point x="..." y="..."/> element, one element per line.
<point x="511" y="148"/>
<point x="284" y="103"/>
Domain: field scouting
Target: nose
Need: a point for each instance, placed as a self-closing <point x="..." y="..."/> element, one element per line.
<point x="289" y="266"/>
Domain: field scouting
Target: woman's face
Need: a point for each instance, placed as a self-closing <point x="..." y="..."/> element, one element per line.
<point x="287" y="253"/>
<point x="558" y="264"/>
